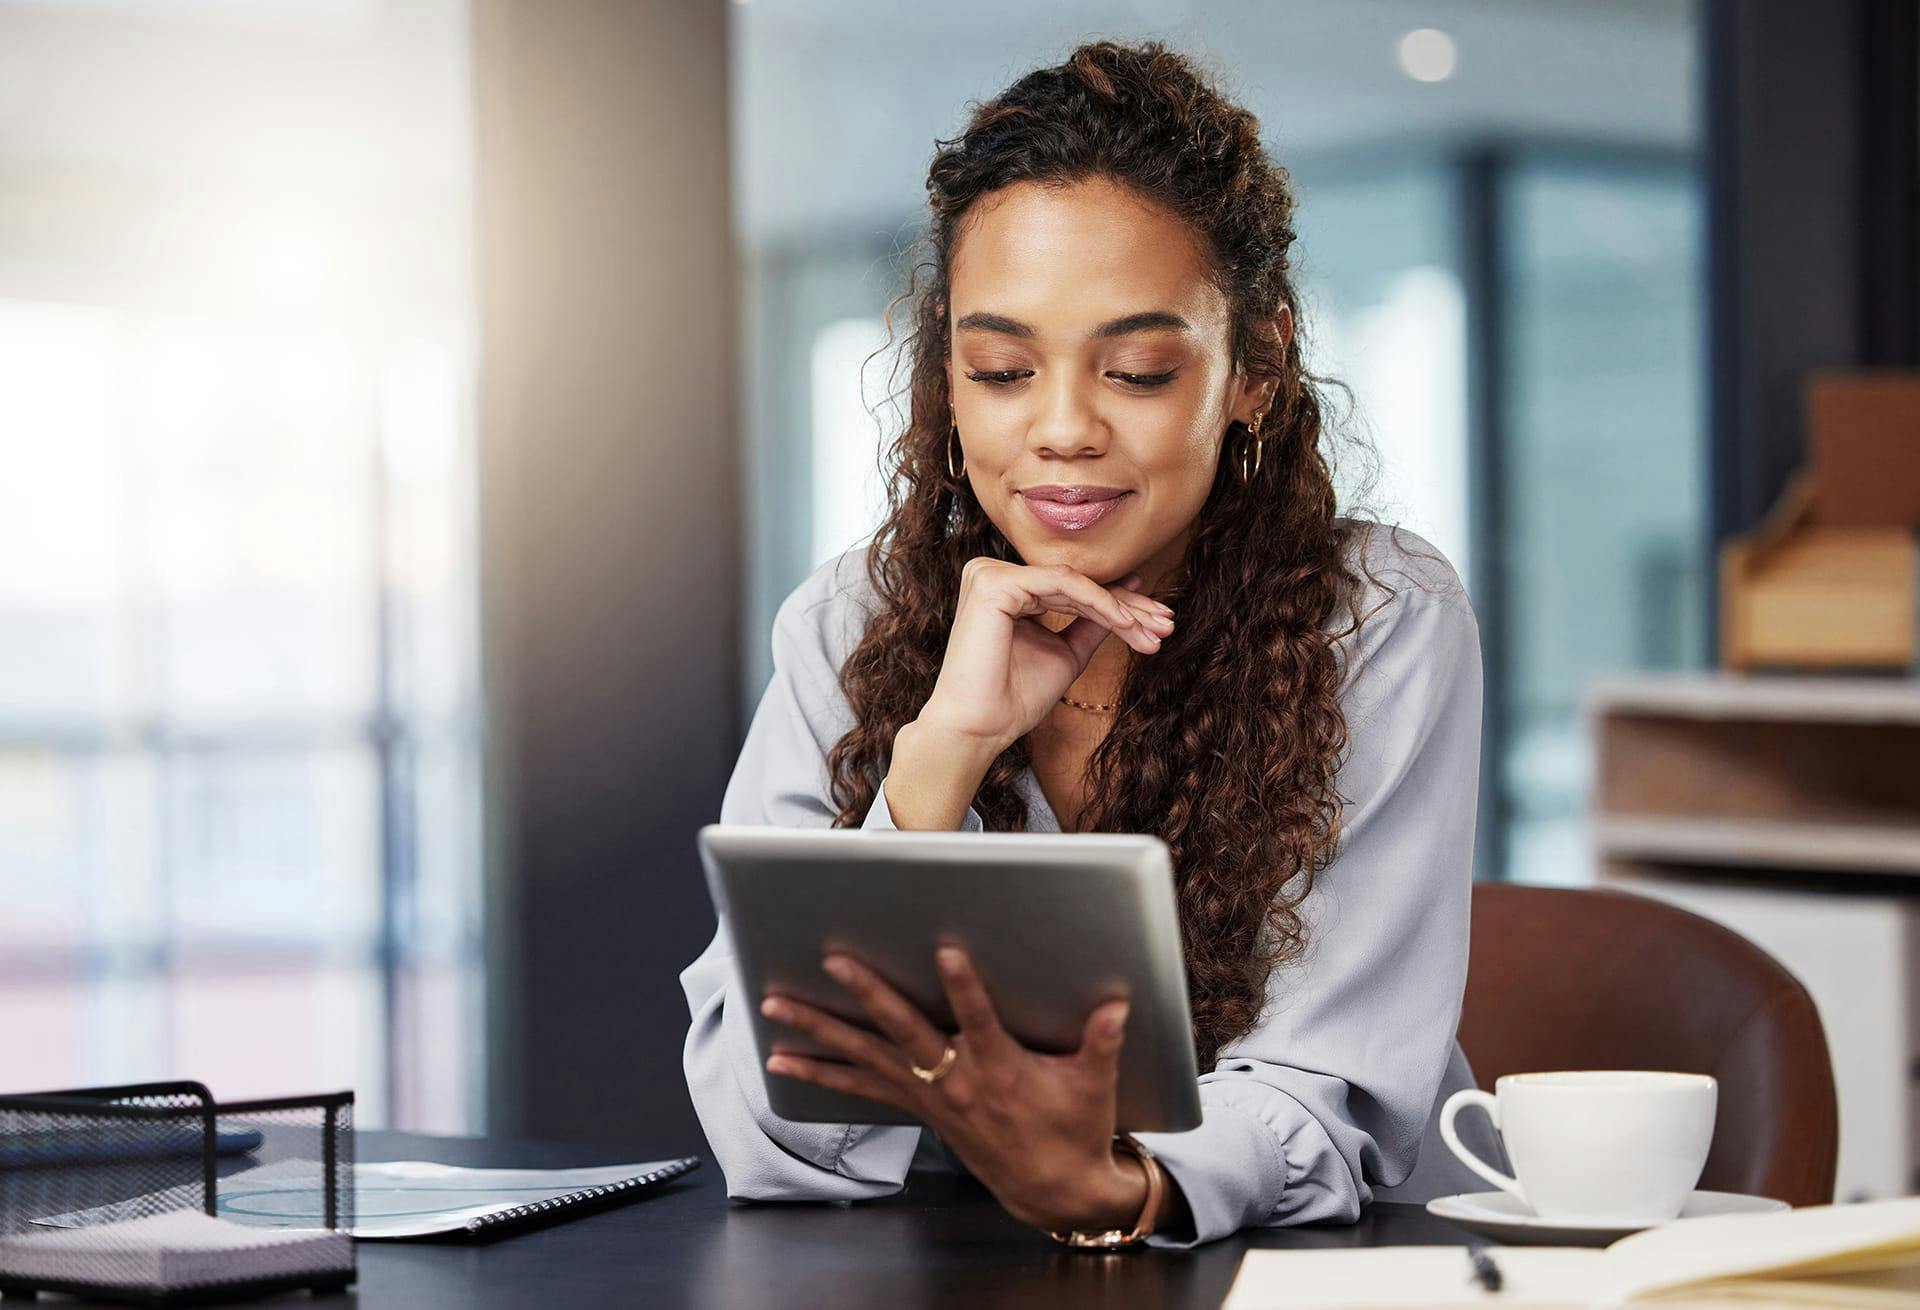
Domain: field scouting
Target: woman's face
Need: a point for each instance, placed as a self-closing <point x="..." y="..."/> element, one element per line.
<point x="1091" y="375"/>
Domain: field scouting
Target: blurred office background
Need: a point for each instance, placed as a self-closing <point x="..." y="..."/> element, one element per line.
<point x="412" y="413"/>
<point x="239" y="772"/>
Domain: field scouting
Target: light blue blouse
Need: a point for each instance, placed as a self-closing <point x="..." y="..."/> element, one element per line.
<point x="1331" y="1100"/>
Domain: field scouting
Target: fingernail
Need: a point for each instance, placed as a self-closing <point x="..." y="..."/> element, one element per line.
<point x="777" y="1065"/>
<point x="836" y="968"/>
<point x="1117" y="1021"/>
<point x="949" y="959"/>
<point x="773" y="1009"/>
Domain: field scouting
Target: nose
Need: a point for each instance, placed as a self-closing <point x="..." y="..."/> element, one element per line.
<point x="1067" y="424"/>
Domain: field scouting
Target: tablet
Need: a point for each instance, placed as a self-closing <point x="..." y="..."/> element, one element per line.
<point x="1056" y="923"/>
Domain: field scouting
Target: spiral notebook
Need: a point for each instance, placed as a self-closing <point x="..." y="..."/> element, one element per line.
<point x="416" y="1198"/>
<point x="407" y="1198"/>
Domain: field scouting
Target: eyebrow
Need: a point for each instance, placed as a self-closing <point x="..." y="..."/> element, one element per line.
<point x="1148" y="320"/>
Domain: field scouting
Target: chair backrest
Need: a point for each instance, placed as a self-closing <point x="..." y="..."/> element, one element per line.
<point x="1564" y="978"/>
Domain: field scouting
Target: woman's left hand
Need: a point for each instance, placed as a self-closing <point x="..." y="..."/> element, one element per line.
<point x="1037" y="1129"/>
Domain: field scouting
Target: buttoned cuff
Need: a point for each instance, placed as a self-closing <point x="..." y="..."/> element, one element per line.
<point x="1258" y="1158"/>
<point x="1229" y="1169"/>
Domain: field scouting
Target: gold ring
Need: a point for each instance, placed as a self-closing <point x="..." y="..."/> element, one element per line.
<point x="939" y="1071"/>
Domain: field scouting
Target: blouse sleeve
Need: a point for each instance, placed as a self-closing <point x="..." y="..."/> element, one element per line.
<point x="781" y="779"/>
<point x="1327" y="1097"/>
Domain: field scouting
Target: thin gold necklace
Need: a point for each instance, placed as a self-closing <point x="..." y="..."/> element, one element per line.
<point x="1083" y="705"/>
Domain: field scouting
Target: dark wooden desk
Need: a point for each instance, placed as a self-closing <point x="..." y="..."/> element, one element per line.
<point x="943" y="1241"/>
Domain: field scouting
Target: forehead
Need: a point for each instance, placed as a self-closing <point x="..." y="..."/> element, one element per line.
<point x="1066" y="258"/>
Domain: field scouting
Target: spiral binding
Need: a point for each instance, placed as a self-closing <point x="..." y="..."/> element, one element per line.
<point x="533" y="1209"/>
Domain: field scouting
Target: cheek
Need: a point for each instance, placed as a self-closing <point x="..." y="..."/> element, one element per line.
<point x="1181" y="471"/>
<point x="993" y="449"/>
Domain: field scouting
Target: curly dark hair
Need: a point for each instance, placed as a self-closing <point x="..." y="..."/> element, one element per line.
<point x="1228" y="741"/>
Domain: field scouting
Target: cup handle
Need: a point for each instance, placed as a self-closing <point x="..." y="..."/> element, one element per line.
<point x="1459" y="1101"/>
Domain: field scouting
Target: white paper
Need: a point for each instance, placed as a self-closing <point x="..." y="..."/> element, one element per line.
<point x="1872" y="1233"/>
<point x="1863" y="1254"/>
<point x="1389" y="1277"/>
<point x="170" y="1249"/>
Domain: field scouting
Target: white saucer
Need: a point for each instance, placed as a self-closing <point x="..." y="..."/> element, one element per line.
<point x="1506" y="1218"/>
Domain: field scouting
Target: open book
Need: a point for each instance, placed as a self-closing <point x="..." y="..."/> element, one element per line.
<point x="1865" y="1255"/>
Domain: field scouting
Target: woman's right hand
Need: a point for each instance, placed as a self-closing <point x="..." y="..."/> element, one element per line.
<point x="1004" y="670"/>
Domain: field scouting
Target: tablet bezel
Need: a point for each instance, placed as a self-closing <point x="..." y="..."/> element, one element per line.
<point x="1056" y="922"/>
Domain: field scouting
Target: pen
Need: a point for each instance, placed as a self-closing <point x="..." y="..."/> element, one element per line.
<point x="1485" y="1271"/>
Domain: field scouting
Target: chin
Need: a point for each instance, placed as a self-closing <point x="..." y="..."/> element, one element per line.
<point x="1102" y="562"/>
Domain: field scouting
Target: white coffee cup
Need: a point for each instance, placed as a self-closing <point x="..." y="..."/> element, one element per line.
<point x="1597" y="1146"/>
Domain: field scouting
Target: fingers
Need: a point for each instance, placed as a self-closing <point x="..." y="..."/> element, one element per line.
<point x="1085" y="634"/>
<point x="1101" y="1039"/>
<point x="1134" y="622"/>
<point x="1128" y="590"/>
<point x="840" y="1078"/>
<point x="972" y="1007"/>
<point x="1121" y="607"/>
<point x="1032" y="589"/>
<point x="1158" y="615"/>
<point x="1153" y="622"/>
<point x="1083" y="637"/>
<point x="896" y="1016"/>
<point x="856" y="1044"/>
<point x="1146" y="605"/>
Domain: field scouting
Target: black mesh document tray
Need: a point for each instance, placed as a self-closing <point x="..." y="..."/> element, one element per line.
<point x="137" y="1194"/>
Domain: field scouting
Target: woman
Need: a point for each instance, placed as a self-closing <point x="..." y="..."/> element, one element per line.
<point x="1113" y="595"/>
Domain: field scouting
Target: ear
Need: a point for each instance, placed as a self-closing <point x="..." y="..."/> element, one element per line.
<point x="1256" y="389"/>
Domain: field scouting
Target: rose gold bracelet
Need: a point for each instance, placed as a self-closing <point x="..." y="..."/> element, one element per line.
<point x="1113" y="1239"/>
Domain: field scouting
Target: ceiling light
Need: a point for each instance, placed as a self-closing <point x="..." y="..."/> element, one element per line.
<point x="1427" y="55"/>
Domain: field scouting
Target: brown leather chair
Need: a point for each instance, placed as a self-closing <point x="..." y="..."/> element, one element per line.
<point x="1602" y="979"/>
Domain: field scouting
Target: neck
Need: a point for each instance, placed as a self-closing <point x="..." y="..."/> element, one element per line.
<point x="1104" y="672"/>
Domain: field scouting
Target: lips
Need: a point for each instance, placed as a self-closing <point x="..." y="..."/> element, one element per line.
<point x="1079" y="494"/>
<point x="1073" y="509"/>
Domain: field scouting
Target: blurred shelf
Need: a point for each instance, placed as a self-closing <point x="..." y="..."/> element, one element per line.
<point x="1890" y="848"/>
<point x="1787" y="806"/>
<point x="1831" y="698"/>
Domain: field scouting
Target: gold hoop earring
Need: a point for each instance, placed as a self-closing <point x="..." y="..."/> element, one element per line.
<point x="1250" y="458"/>
<point x="953" y="447"/>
